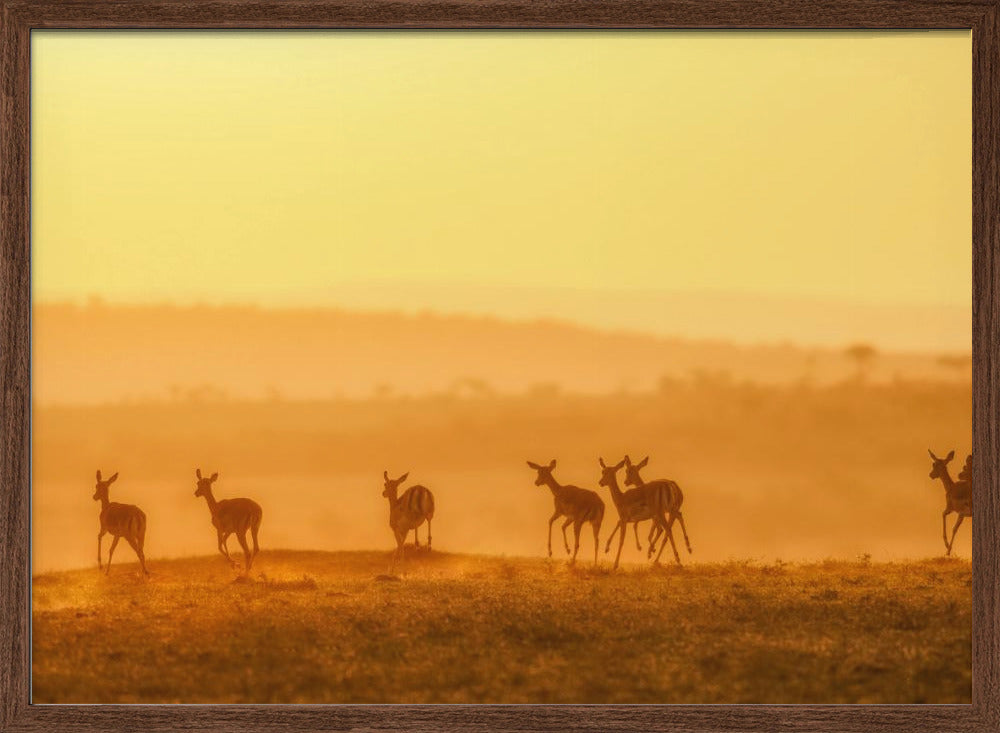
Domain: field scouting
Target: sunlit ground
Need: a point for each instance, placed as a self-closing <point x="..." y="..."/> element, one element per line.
<point x="313" y="627"/>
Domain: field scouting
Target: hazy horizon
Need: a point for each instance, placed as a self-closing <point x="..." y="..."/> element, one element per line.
<point x="102" y="352"/>
<point x="741" y="318"/>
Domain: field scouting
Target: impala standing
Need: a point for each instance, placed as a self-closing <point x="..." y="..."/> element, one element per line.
<point x="670" y="498"/>
<point x="957" y="495"/>
<point x="231" y="516"/>
<point x="121" y="520"/>
<point x="407" y="512"/>
<point x="579" y="506"/>
<point x="634" y="506"/>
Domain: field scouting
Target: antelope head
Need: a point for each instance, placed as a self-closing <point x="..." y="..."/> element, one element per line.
<point x="392" y="485"/>
<point x="101" y="488"/>
<point x="608" y="472"/>
<point x="940" y="467"/>
<point x="544" y="472"/>
<point x="204" y="484"/>
<point x="632" y="471"/>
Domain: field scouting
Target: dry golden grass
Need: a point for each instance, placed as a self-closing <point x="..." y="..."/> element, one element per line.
<point x="317" y="627"/>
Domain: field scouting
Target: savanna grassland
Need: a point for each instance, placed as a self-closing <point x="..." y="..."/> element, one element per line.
<point x="786" y="456"/>
<point x="317" y="627"/>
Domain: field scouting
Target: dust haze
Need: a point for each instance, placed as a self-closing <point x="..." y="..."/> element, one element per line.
<point x="783" y="452"/>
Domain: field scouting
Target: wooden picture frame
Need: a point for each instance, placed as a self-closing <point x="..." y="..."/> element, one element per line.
<point x="20" y="17"/>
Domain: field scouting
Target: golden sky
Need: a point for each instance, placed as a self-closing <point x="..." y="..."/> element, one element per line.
<point x="286" y="168"/>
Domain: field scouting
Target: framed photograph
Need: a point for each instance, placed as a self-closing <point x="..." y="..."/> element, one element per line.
<point x="499" y="365"/>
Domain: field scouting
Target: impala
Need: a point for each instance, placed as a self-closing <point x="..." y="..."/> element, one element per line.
<point x="634" y="506"/>
<point x="579" y="506"/>
<point x="231" y="516"/>
<point x="957" y="495"/>
<point x="671" y="498"/>
<point x="121" y="520"/>
<point x="407" y="512"/>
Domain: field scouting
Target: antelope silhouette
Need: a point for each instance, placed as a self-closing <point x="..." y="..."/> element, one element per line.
<point x="670" y="498"/>
<point x="579" y="506"/>
<point x="957" y="495"/>
<point x="231" y="516"/>
<point x="634" y="506"/>
<point x="407" y="512"/>
<point x="121" y="520"/>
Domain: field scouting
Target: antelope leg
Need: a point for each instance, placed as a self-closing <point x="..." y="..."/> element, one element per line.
<point x="397" y="554"/>
<point x="569" y="521"/>
<point x="655" y="532"/>
<point x="114" y="544"/>
<point x="673" y="545"/>
<point x="687" y="542"/>
<point x="223" y="538"/>
<point x="668" y="530"/>
<point x="242" y="539"/>
<point x="597" y="540"/>
<point x="955" y="531"/>
<point x="577" y="526"/>
<point x="553" y="518"/>
<point x="621" y="543"/>
<point x="607" y="547"/>
<point x="139" y="553"/>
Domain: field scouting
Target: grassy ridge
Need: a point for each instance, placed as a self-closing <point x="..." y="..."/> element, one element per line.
<point x="316" y="627"/>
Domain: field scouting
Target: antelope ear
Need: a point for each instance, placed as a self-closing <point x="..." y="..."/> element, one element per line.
<point x="552" y="464"/>
<point x="197" y="472"/>
<point x="403" y="477"/>
<point x="214" y="477"/>
<point x="643" y="462"/>
<point x="113" y="478"/>
<point x="951" y="455"/>
<point x="385" y="475"/>
<point x="98" y="475"/>
<point x="620" y="464"/>
<point x="601" y="461"/>
<point x="628" y="461"/>
<point x="533" y="465"/>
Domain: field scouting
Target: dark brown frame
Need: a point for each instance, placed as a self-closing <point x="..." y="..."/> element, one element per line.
<point x="19" y="17"/>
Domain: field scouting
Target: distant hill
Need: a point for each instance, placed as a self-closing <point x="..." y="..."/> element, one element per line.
<point x="98" y="353"/>
<point x="744" y="318"/>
